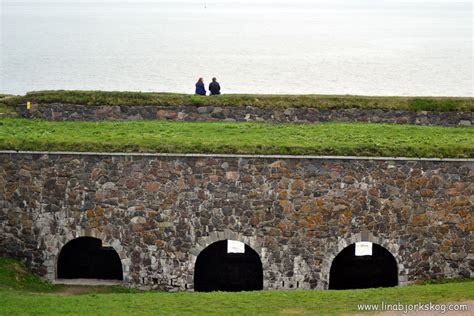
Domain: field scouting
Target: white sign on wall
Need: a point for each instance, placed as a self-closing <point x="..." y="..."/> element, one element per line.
<point x="363" y="248"/>
<point x="234" y="246"/>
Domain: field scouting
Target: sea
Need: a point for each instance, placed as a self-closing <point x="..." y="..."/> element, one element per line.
<point x="357" y="47"/>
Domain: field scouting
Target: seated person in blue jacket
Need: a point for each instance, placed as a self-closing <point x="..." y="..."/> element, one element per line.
<point x="200" y="89"/>
<point x="214" y="87"/>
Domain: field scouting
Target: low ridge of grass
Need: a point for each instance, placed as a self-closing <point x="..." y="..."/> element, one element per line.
<point x="94" y="98"/>
<point x="342" y="139"/>
<point x="23" y="293"/>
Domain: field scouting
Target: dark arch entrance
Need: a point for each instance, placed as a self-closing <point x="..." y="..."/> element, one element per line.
<point x="351" y="272"/>
<point x="217" y="270"/>
<point x="85" y="258"/>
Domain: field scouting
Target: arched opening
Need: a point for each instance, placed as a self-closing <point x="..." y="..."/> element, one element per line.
<point x="85" y="258"/>
<point x="351" y="271"/>
<point x="219" y="268"/>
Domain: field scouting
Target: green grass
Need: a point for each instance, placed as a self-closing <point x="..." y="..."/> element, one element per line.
<point x="345" y="139"/>
<point x="256" y="100"/>
<point x="14" y="275"/>
<point x="221" y="303"/>
<point x="6" y="109"/>
<point x="4" y="106"/>
<point x="29" y="295"/>
<point x="424" y="104"/>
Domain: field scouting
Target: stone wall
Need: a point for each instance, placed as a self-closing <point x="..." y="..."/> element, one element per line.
<point x="297" y="213"/>
<point x="62" y="112"/>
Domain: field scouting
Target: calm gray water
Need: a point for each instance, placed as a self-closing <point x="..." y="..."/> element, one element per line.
<point x="366" y="47"/>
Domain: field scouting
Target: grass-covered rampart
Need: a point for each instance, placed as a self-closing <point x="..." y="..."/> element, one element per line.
<point x="5" y="105"/>
<point x="22" y="293"/>
<point x="257" y="100"/>
<point x="344" y="139"/>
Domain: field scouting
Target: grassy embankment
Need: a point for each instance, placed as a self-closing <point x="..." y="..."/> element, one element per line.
<point x="258" y="100"/>
<point x="356" y="139"/>
<point x="5" y="106"/>
<point x="23" y="293"/>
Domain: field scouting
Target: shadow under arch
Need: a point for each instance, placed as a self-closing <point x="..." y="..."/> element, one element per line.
<point x="349" y="271"/>
<point x="85" y="258"/>
<point x="218" y="270"/>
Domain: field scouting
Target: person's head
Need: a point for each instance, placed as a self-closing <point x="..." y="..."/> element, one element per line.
<point x="214" y="79"/>
<point x="200" y="79"/>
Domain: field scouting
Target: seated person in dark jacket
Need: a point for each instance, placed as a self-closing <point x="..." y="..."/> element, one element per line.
<point x="200" y="89"/>
<point x="214" y="87"/>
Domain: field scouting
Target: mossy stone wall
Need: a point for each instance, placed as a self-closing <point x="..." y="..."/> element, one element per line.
<point x="160" y="211"/>
<point x="64" y="112"/>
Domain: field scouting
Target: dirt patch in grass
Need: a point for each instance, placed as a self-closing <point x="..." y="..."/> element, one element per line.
<point x="83" y="289"/>
<point x="293" y="311"/>
<point x="76" y="289"/>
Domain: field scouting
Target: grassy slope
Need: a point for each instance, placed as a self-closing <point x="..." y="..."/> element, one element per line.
<point x="257" y="100"/>
<point x="14" y="275"/>
<point x="358" y="139"/>
<point x="22" y="293"/>
<point x="6" y="109"/>
<point x="4" y="106"/>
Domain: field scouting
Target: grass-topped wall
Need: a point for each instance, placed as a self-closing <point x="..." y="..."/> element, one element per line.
<point x="115" y="98"/>
<point x="100" y="105"/>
